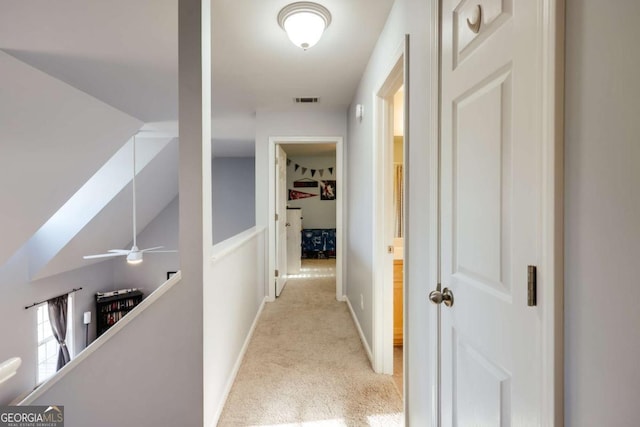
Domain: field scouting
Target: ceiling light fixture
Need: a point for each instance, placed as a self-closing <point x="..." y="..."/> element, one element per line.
<point x="304" y="22"/>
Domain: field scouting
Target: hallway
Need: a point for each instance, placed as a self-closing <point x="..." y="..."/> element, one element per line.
<point x="305" y="365"/>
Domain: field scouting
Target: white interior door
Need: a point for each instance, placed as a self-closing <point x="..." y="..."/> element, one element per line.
<point x="281" y="219"/>
<point x="491" y="369"/>
<point x="294" y="241"/>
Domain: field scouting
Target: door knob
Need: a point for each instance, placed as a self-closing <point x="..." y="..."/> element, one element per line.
<point x="446" y="297"/>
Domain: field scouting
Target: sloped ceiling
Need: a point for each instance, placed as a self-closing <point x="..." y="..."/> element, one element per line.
<point x="156" y="187"/>
<point x="123" y="52"/>
<point x="107" y="66"/>
<point x="52" y="139"/>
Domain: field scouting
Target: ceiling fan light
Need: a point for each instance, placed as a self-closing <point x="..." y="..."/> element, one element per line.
<point x="134" y="257"/>
<point x="304" y="23"/>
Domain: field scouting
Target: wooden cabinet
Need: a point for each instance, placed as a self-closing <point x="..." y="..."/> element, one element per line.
<point x="398" y="315"/>
<point x="110" y="309"/>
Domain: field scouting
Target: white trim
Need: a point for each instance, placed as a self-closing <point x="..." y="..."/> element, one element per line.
<point x="365" y="344"/>
<point x="434" y="209"/>
<point x="232" y="244"/>
<point x="102" y="339"/>
<point x="8" y="368"/>
<point x="340" y="207"/>
<point x="236" y="366"/>
<point x="552" y="276"/>
<point x="382" y="212"/>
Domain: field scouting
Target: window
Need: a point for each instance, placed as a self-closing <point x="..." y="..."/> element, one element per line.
<point x="47" y="344"/>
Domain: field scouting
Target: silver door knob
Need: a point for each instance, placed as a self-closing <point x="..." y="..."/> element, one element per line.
<point x="446" y="297"/>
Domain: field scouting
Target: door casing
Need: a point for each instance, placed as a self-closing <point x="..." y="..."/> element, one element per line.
<point x="395" y="76"/>
<point x="340" y="207"/>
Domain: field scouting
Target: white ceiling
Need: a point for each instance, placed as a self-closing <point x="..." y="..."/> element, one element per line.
<point x="124" y="52"/>
<point x="255" y="66"/>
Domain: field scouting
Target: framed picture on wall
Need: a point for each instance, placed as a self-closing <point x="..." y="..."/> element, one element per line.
<point x="328" y="190"/>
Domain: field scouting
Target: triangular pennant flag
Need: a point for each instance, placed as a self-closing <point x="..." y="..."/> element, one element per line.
<point x="297" y="195"/>
<point x="288" y="162"/>
<point x="331" y="171"/>
<point x="321" y="172"/>
<point x="297" y="167"/>
<point x="313" y="173"/>
<point x="304" y="170"/>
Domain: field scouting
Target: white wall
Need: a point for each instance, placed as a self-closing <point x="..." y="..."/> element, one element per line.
<point x="18" y="330"/>
<point x="142" y="375"/>
<point x="360" y="170"/>
<point x="18" y="291"/>
<point x="316" y="213"/>
<point x="232" y="300"/>
<point x="306" y="121"/>
<point x="412" y="17"/>
<point x="234" y="196"/>
<point x="152" y="272"/>
<point x="602" y="218"/>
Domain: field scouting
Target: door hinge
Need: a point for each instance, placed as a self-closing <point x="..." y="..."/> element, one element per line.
<point x="277" y="273"/>
<point x="532" y="286"/>
<point x="276" y="217"/>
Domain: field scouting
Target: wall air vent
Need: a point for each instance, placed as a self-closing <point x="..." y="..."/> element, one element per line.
<point x="307" y="100"/>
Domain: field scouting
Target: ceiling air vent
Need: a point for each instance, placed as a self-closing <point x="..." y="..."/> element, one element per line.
<point x="307" y="100"/>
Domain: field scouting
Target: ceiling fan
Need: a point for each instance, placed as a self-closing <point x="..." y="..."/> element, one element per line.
<point x="134" y="255"/>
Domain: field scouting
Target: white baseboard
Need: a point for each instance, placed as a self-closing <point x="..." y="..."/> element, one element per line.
<point x="236" y="366"/>
<point x="365" y="344"/>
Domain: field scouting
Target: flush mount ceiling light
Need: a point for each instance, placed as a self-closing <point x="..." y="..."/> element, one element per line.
<point x="304" y="22"/>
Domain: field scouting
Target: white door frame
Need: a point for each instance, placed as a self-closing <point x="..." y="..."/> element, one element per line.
<point x="340" y="206"/>
<point x="382" y="347"/>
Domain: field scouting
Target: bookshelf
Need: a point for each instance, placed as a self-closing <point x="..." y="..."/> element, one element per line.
<point x="113" y="306"/>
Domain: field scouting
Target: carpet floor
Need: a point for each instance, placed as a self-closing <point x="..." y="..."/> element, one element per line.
<point x="305" y="365"/>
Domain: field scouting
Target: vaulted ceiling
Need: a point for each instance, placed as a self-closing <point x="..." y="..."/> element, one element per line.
<point x="124" y="54"/>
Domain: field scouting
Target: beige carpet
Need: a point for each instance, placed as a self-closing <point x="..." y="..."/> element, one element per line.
<point x="306" y="366"/>
<point x="398" y="367"/>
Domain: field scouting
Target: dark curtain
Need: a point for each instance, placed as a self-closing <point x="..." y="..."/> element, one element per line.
<point x="58" y="318"/>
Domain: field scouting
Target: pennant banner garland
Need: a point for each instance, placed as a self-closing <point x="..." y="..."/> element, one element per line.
<point x="303" y="170"/>
<point x="297" y="195"/>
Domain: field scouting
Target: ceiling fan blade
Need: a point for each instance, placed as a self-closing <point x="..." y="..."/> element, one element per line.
<point x="160" y="252"/>
<point x="103" y="255"/>
<point x="152" y="249"/>
<point x="119" y="251"/>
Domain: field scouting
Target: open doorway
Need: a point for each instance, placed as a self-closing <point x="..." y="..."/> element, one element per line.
<point x="305" y="203"/>
<point x="397" y="204"/>
<point x="389" y="222"/>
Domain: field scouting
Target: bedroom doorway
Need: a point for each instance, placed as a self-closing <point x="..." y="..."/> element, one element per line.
<point x="306" y="192"/>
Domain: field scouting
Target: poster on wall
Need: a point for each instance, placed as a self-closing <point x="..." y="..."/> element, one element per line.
<point x="306" y="182"/>
<point x="297" y="195"/>
<point x="328" y="190"/>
